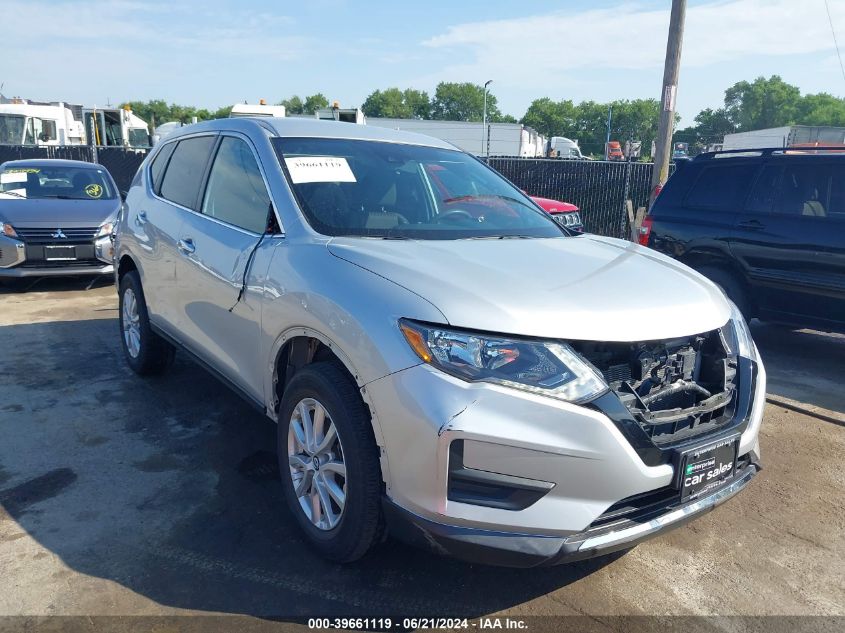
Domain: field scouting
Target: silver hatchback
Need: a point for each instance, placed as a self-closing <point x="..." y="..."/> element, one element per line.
<point x="443" y="360"/>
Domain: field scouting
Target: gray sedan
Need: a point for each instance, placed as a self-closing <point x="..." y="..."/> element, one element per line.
<point x="56" y="218"/>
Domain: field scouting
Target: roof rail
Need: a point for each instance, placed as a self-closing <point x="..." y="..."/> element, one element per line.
<point x="768" y="151"/>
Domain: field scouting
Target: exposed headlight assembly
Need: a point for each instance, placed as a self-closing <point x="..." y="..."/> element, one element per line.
<point x="738" y="336"/>
<point x="551" y="368"/>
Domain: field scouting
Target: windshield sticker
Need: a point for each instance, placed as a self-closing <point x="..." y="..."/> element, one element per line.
<point x="94" y="190"/>
<point x="23" y="170"/>
<point x="319" y="169"/>
<point x="14" y="176"/>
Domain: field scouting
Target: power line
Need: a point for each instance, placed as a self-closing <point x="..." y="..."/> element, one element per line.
<point x="835" y="43"/>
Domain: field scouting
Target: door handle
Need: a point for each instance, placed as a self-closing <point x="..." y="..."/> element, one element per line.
<point x="141" y="218"/>
<point x="754" y="225"/>
<point x="186" y="245"/>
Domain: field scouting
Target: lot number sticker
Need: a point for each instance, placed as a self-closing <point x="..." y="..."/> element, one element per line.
<point x="319" y="169"/>
<point x="13" y="177"/>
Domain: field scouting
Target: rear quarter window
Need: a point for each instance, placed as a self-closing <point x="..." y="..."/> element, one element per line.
<point x="159" y="163"/>
<point x="721" y="188"/>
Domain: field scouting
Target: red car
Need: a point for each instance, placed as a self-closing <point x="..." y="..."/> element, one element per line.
<point x="564" y="213"/>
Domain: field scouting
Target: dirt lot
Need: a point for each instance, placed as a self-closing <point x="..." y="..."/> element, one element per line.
<point x="127" y="496"/>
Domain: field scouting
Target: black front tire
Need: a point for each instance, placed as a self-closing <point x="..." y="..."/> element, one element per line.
<point x="732" y="287"/>
<point x="153" y="355"/>
<point x="361" y="524"/>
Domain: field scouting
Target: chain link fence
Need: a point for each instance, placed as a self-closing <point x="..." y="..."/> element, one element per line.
<point x="121" y="162"/>
<point x="598" y="188"/>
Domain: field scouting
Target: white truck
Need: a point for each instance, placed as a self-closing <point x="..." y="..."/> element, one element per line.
<point x="259" y="109"/>
<point x="505" y="139"/>
<point x="564" y="148"/>
<point x="24" y="122"/>
<point x="786" y="136"/>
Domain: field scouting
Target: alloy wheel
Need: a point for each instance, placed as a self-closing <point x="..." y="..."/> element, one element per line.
<point x="131" y="323"/>
<point x="317" y="467"/>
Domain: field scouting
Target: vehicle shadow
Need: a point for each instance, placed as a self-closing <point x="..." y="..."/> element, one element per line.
<point x="803" y="365"/>
<point x="169" y="487"/>
<point x="54" y="284"/>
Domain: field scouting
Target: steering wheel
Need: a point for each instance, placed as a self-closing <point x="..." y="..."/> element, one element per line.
<point x="455" y="214"/>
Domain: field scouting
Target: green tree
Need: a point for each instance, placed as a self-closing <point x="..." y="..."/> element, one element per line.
<point x="398" y="104"/>
<point x="463" y="102"/>
<point x="634" y="120"/>
<point x="314" y="103"/>
<point x="762" y="103"/>
<point x="293" y="105"/>
<point x="712" y="125"/>
<point x="821" y="109"/>
<point x="388" y="103"/>
<point x="419" y="103"/>
<point x="551" y="118"/>
<point x="154" y="111"/>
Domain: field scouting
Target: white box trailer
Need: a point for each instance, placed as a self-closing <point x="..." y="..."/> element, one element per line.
<point x="506" y="139"/>
<point x="786" y="136"/>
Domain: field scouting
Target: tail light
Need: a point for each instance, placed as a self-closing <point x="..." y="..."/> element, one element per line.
<point x="644" y="231"/>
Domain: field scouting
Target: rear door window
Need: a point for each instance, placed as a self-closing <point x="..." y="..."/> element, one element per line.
<point x="765" y="190"/>
<point x="236" y="192"/>
<point x="720" y="187"/>
<point x="158" y="165"/>
<point x="185" y="171"/>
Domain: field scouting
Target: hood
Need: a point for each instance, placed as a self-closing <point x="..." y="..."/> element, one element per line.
<point x="554" y="206"/>
<point x="52" y="212"/>
<point x="580" y="288"/>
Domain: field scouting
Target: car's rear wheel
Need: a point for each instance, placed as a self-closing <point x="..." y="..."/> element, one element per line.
<point x="731" y="286"/>
<point x="145" y="351"/>
<point x="329" y="462"/>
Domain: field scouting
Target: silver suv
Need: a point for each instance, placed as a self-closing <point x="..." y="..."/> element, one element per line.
<point x="455" y="368"/>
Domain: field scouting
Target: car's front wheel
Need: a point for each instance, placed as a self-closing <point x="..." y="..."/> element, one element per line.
<point x="145" y="351"/>
<point x="329" y="462"/>
<point x="731" y="286"/>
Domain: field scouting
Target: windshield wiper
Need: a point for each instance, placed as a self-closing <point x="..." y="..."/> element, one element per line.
<point x="489" y="195"/>
<point x="63" y="197"/>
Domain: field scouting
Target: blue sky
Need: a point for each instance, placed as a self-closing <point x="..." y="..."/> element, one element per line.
<point x="217" y="52"/>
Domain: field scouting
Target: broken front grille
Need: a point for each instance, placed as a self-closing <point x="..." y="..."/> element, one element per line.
<point x="675" y="389"/>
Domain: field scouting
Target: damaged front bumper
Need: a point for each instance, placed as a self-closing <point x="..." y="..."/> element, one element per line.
<point x="525" y="550"/>
<point x="488" y="473"/>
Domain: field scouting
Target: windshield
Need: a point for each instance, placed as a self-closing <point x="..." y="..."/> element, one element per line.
<point x="49" y="181"/>
<point x="138" y="137"/>
<point x="391" y="190"/>
<point x="11" y="129"/>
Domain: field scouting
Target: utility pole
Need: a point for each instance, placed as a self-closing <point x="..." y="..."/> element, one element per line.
<point x="609" y="120"/>
<point x="484" y="122"/>
<point x="660" y="172"/>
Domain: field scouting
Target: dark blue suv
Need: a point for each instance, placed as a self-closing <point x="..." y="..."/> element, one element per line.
<point x="768" y="226"/>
